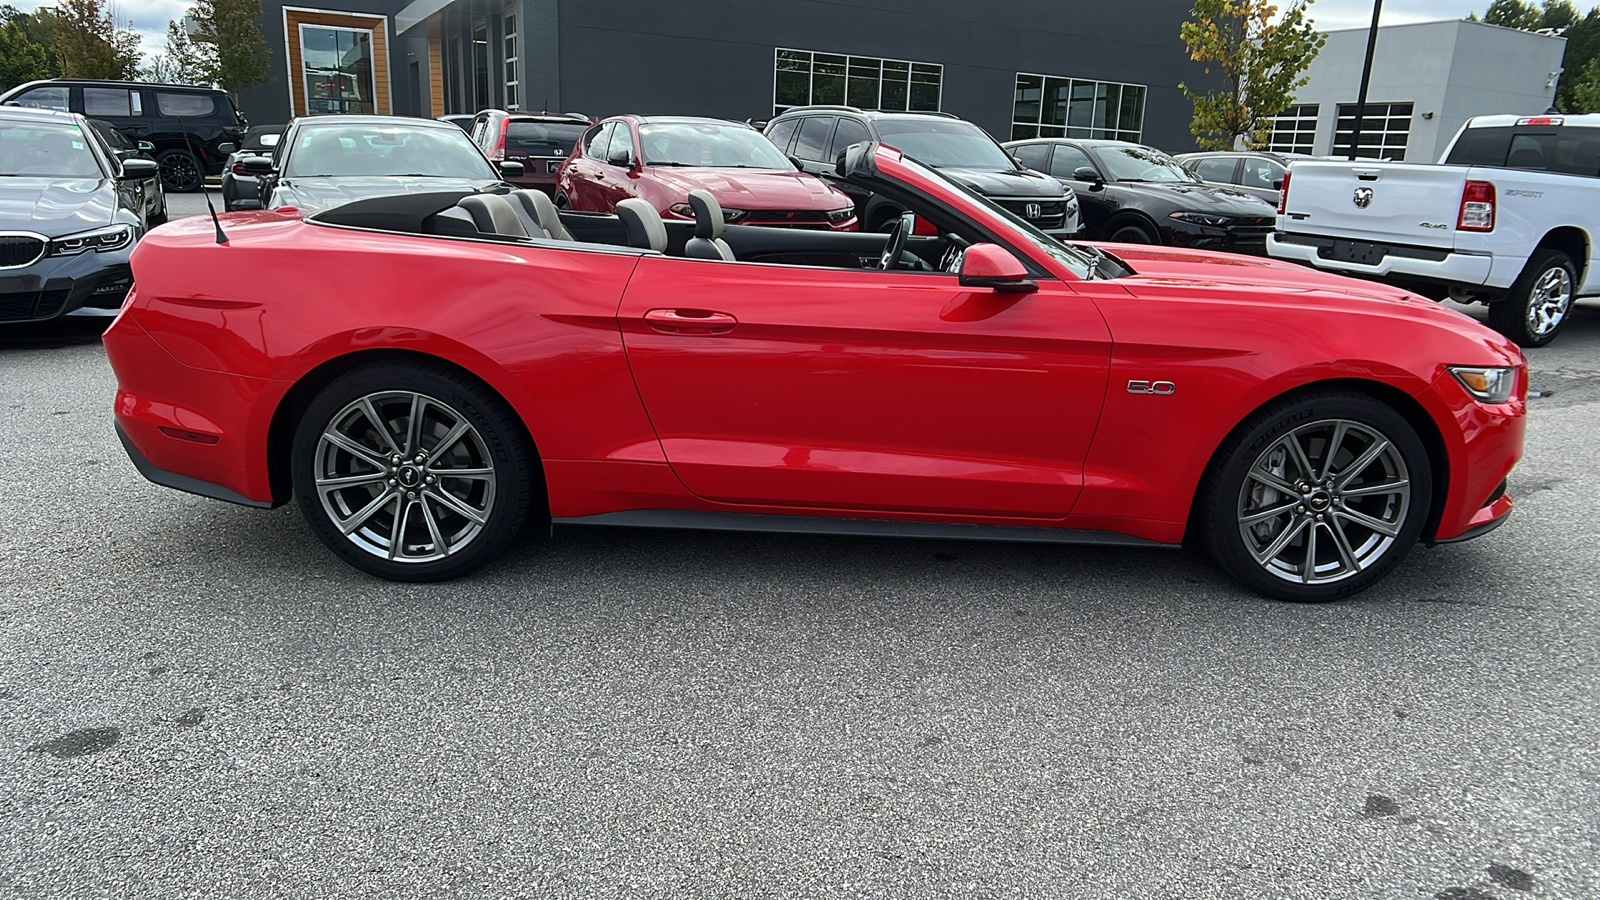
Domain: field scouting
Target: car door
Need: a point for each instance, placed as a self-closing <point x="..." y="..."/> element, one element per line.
<point x="576" y="177"/>
<point x="866" y="391"/>
<point x="1261" y="177"/>
<point x="122" y="108"/>
<point x="1095" y="202"/>
<point x="811" y="145"/>
<point x="1221" y="171"/>
<point x="614" y="180"/>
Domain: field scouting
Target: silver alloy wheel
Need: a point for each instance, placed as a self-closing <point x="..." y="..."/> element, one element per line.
<point x="404" y="476"/>
<point x="1324" y="502"/>
<point x="1549" y="301"/>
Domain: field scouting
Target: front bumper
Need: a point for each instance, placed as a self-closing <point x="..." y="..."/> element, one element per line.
<point x="1482" y="445"/>
<point x="91" y="282"/>
<point x="1388" y="262"/>
<point x="1251" y="240"/>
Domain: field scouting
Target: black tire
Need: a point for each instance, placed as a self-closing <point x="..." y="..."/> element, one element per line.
<point x="503" y="491"/>
<point x="159" y="217"/>
<point x="1132" y="234"/>
<point x="561" y="200"/>
<point x="180" y="171"/>
<point x="1347" y="556"/>
<point x="1539" y="304"/>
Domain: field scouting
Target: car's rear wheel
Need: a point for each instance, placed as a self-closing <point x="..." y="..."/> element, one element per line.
<point x="1539" y="302"/>
<point x="412" y="472"/>
<point x="180" y="171"/>
<point x="1131" y="234"/>
<point x="561" y="200"/>
<point x="1317" y="497"/>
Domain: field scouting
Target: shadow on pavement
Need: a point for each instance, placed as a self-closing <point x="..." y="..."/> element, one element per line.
<point x="64" y="332"/>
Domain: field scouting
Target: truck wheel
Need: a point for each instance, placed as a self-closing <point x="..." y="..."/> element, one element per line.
<point x="1540" y="302"/>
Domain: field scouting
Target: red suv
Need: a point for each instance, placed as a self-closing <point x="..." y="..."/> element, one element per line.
<point x="541" y="142"/>
<point x="660" y="159"/>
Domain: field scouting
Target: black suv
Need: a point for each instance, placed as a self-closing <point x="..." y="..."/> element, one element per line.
<point x="193" y="128"/>
<point x="814" y="136"/>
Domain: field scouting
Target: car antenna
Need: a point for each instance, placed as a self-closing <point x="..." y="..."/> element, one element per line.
<point x="222" y="238"/>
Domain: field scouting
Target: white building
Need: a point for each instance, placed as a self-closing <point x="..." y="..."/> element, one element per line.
<point x="1427" y="79"/>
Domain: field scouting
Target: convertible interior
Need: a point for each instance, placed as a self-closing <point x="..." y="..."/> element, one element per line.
<point x="528" y="216"/>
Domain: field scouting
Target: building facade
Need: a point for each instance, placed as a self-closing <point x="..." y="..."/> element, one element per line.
<point x="1427" y="80"/>
<point x="1020" y="69"/>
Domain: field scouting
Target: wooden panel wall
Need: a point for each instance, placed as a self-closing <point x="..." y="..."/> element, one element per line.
<point x="294" y="18"/>
<point x="436" y="66"/>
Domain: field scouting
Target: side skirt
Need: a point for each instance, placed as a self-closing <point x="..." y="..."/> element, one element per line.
<point x="704" y="520"/>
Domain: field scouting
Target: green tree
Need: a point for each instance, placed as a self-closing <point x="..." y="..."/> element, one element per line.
<point x="1261" y="59"/>
<point x="22" y="58"/>
<point x="1583" y="91"/>
<point x="88" y="43"/>
<point x="1512" y="14"/>
<point x="239" y="58"/>
<point x="183" y="60"/>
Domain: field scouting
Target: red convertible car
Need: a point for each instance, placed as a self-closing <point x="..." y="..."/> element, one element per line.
<point x="428" y="374"/>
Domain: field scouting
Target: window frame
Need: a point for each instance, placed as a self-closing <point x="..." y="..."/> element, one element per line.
<point x="372" y="66"/>
<point x="851" y="62"/>
<point x="1095" y="132"/>
<point x="1290" y="133"/>
<point x="1384" y="134"/>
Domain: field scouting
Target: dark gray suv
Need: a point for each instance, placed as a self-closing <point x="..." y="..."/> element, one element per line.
<point x="814" y="136"/>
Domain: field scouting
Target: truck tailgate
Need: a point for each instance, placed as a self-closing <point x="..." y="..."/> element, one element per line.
<point x="1389" y="203"/>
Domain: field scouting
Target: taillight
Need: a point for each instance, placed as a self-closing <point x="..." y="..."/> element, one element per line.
<point x="1283" y="194"/>
<point x="1477" y="207"/>
<point x="238" y="169"/>
<point x="499" y="154"/>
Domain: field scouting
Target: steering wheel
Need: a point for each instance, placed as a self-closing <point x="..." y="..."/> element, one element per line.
<point x="897" y="241"/>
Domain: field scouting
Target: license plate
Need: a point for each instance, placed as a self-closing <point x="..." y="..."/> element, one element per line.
<point x="1359" y="252"/>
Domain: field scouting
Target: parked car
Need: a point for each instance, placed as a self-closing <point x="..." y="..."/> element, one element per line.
<point x="67" y="221"/>
<point x="1256" y="172"/>
<point x="328" y="160"/>
<point x="1133" y="194"/>
<point x="541" y="143"/>
<point x="660" y="159"/>
<point x="460" y="120"/>
<point x="814" y="136"/>
<point x="1508" y="220"/>
<point x="144" y="194"/>
<point x="190" y="127"/>
<point x="423" y="407"/>
<point x="240" y="189"/>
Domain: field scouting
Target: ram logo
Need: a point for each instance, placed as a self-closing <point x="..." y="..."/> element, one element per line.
<point x="1151" y="387"/>
<point x="1362" y="198"/>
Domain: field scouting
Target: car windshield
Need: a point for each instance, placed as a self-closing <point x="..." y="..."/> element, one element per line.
<point x="543" y="138"/>
<point x="49" y="150"/>
<point x="944" y="143"/>
<point x="709" y="144"/>
<point x="385" y="150"/>
<point x="1081" y="263"/>
<point x="115" y="139"/>
<point x="1134" y="163"/>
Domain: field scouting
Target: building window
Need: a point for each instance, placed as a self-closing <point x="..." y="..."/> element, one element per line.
<point x="1384" y="130"/>
<point x="1048" y="106"/>
<point x="805" y="78"/>
<point x="1294" y="130"/>
<point x="480" y="65"/>
<point x="337" y="67"/>
<point x="511" y="61"/>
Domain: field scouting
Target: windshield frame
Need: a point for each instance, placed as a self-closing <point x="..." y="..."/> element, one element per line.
<point x="295" y="148"/>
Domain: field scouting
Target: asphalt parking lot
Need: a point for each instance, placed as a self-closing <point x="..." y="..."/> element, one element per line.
<point x="197" y="700"/>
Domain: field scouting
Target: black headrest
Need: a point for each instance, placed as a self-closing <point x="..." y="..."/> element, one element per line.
<point x="707" y="215"/>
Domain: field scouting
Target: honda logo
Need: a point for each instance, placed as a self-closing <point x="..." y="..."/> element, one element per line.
<point x="1032" y="210"/>
<point x="1363" y="197"/>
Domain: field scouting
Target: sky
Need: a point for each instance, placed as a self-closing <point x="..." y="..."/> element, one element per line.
<point x="149" y="17"/>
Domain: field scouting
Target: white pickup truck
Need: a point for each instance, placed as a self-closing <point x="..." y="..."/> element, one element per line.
<point x="1509" y="218"/>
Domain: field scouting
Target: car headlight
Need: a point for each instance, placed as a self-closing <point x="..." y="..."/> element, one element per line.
<point x="684" y="210"/>
<point x="841" y="215"/>
<point x="1195" y="218"/>
<point x="1488" y="384"/>
<point x="114" y="238"/>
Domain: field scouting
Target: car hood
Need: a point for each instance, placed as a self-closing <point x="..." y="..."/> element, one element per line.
<point x="55" y="206"/>
<point x="321" y="192"/>
<point x="1202" y="198"/>
<point x="750" y="188"/>
<point x="1003" y="183"/>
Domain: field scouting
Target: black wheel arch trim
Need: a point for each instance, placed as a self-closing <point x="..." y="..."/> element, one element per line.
<point x="185" y="483"/>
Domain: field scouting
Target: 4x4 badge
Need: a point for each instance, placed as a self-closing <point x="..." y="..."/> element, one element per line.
<point x="1363" y="197"/>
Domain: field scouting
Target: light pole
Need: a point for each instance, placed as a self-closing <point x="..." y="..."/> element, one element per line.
<point x="1366" y="76"/>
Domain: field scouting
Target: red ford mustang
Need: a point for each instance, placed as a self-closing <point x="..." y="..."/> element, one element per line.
<point x="427" y="374"/>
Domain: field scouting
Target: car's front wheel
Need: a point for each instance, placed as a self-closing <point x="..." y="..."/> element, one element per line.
<point x="1540" y="302"/>
<point x="180" y="171"/>
<point x="1317" y="497"/>
<point x="413" y="472"/>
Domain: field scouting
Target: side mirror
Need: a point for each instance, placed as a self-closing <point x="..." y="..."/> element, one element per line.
<point x="138" y="170"/>
<point x="146" y="147"/>
<point x="1087" y="173"/>
<point x="228" y="149"/>
<point x="993" y="267"/>
<point x="621" y="157"/>
<point x="259" y="166"/>
<point x="510" y="168"/>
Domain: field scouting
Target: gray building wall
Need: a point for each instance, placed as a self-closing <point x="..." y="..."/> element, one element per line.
<point x="1450" y="70"/>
